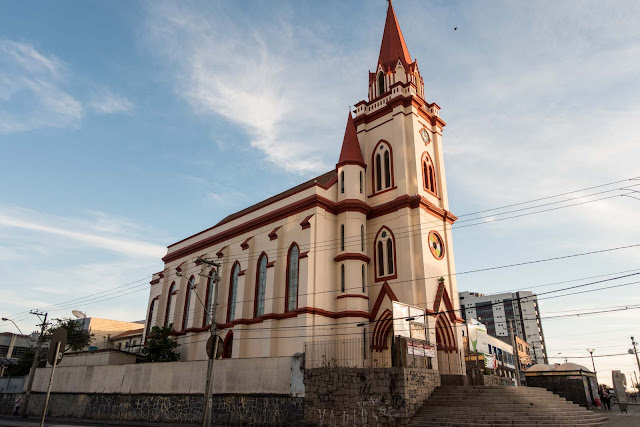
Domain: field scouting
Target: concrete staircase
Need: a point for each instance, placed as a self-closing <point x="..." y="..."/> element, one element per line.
<point x="499" y="406"/>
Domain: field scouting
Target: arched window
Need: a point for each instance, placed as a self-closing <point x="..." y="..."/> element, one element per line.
<point x="292" y="277"/>
<point x="261" y="285"/>
<point x="361" y="183"/>
<point x="380" y="259"/>
<point x="428" y="175"/>
<point x="362" y="238"/>
<point x="208" y="301"/>
<point x="150" y="319"/>
<point x="342" y="278"/>
<point x="389" y="256"/>
<point x="187" y="302"/>
<point x="364" y="280"/>
<point x="233" y="292"/>
<point x="342" y="237"/>
<point x="169" y="310"/>
<point x="387" y="170"/>
<point x="380" y="83"/>
<point x="378" y="173"/>
<point x="385" y="257"/>
<point x="383" y="167"/>
<point x="342" y="182"/>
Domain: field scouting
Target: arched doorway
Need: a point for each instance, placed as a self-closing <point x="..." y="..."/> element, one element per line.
<point x="448" y="354"/>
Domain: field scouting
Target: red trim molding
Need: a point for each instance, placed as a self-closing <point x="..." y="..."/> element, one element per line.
<point x="155" y="281"/>
<point x="295" y="313"/>
<point x="219" y="254"/>
<point x="352" y="205"/>
<point x="273" y="235"/>
<point x="242" y="272"/>
<point x="305" y="222"/>
<point x="351" y="162"/>
<point x="271" y="264"/>
<point x="355" y="256"/>
<point x="245" y="245"/>
<point x="352" y="296"/>
<point x="384" y="290"/>
<point x="303" y="255"/>
<point x="313" y="201"/>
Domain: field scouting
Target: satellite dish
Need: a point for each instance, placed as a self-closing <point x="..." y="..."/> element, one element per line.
<point x="79" y="314"/>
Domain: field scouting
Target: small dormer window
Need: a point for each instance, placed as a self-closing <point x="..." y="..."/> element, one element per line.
<point x="380" y="83"/>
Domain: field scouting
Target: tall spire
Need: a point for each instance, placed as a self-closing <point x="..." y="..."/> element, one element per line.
<point x="351" y="152"/>
<point x="393" y="46"/>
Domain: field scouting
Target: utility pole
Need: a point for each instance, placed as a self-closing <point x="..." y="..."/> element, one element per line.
<point x="206" y="416"/>
<point x="32" y="372"/>
<point x="515" y="351"/>
<point x="635" y="350"/>
<point x="591" y="350"/>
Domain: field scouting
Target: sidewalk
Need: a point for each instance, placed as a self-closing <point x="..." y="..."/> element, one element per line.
<point x="617" y="419"/>
<point x="7" y="421"/>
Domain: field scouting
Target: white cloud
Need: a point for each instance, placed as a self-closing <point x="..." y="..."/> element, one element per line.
<point x="78" y="231"/>
<point x="107" y="102"/>
<point x="269" y="82"/>
<point x="32" y="93"/>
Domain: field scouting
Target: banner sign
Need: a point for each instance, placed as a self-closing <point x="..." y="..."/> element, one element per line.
<point x="490" y="361"/>
<point x="417" y="348"/>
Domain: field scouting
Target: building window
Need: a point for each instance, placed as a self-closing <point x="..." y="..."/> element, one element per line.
<point x="364" y="280"/>
<point x="169" y="310"/>
<point x="380" y="83"/>
<point x="428" y="175"/>
<point x="233" y="291"/>
<point x="385" y="257"/>
<point x="261" y="285"/>
<point x="208" y="301"/>
<point x="362" y="238"/>
<point x="150" y="318"/>
<point x="342" y="237"/>
<point x="361" y="183"/>
<point x="342" y="278"/>
<point x="187" y="302"/>
<point x="383" y="169"/>
<point x="292" y="277"/>
<point x="342" y="182"/>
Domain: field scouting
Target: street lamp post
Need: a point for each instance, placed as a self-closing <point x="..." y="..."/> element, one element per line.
<point x="5" y="319"/>
<point x="591" y="350"/>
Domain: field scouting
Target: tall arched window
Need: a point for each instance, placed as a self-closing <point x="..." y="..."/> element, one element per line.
<point x="342" y="182"/>
<point x="150" y="319"/>
<point x="364" y="279"/>
<point x="387" y="170"/>
<point x="292" y="277"/>
<point x="378" y="172"/>
<point x="428" y="175"/>
<point x="389" y="256"/>
<point x="169" y="310"/>
<point x="233" y="291"/>
<point x="380" y="83"/>
<point x="261" y="285"/>
<point x="361" y="183"/>
<point x="342" y="278"/>
<point x="385" y="257"/>
<point x="208" y="301"/>
<point x="362" y="238"/>
<point x="187" y="302"/>
<point x="383" y="167"/>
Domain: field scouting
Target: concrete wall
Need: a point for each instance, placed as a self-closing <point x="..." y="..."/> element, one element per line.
<point x="366" y="396"/>
<point x="269" y="375"/>
<point x="98" y="358"/>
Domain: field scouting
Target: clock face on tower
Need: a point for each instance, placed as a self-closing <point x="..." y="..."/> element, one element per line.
<point x="425" y="136"/>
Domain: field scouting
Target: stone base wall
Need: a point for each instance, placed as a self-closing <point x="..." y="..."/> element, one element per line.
<point x="228" y="410"/>
<point x="366" y="396"/>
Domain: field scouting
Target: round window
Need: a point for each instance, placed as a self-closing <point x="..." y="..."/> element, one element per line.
<point x="436" y="245"/>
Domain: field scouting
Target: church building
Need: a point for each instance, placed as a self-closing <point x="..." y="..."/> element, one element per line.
<point x="325" y="260"/>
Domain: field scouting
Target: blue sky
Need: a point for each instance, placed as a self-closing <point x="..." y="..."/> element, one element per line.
<point x="127" y="126"/>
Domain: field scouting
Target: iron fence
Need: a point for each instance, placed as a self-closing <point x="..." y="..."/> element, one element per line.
<point x="351" y="353"/>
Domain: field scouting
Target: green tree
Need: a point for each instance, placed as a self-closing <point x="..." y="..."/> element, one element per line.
<point x="160" y="347"/>
<point x="78" y="338"/>
<point x="24" y="364"/>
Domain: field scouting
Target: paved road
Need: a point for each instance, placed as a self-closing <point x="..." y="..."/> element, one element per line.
<point x="617" y="419"/>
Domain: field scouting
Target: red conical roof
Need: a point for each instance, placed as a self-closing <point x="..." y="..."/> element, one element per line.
<point x="393" y="46"/>
<point x="350" y="153"/>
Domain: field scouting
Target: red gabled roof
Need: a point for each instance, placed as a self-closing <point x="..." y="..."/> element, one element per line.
<point x="393" y="46"/>
<point x="351" y="152"/>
